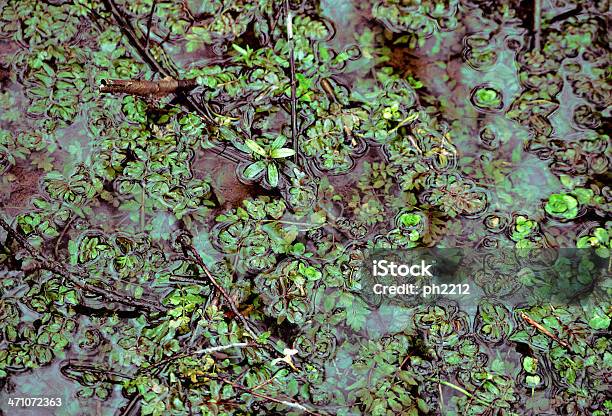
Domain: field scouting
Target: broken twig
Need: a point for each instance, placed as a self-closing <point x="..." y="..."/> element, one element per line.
<point x="198" y="259"/>
<point x="543" y="330"/>
<point x="145" y="88"/>
<point x="245" y="389"/>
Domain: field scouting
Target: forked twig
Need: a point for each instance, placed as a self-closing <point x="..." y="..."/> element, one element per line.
<point x="202" y="109"/>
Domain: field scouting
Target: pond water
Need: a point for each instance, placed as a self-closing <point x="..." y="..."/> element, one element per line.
<point x="416" y="124"/>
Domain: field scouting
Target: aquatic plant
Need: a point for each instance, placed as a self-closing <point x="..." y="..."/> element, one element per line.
<point x="190" y="192"/>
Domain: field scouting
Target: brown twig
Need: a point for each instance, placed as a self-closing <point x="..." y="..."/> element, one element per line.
<point x="156" y="89"/>
<point x="210" y="350"/>
<point x="132" y="404"/>
<point x="83" y="367"/>
<point x="234" y="308"/>
<point x="77" y="276"/>
<point x="128" y="31"/>
<point x="61" y="236"/>
<point x="202" y="109"/>
<point x="150" y="23"/>
<point x="543" y="330"/>
<point x="329" y="89"/>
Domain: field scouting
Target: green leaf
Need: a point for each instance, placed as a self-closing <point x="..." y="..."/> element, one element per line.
<point x="278" y="142"/>
<point x="602" y="235"/>
<point x="530" y="365"/>
<point x="562" y="206"/>
<point x="599" y="322"/>
<point x="272" y="175"/>
<point x="533" y="381"/>
<point x="255" y="148"/>
<point x="254" y="169"/>
<point x="282" y="153"/>
<point x="239" y="49"/>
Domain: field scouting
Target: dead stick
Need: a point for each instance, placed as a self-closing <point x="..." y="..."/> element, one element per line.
<point x="543" y="330"/>
<point x="128" y="30"/>
<point x="202" y="109"/>
<point x="188" y="247"/>
<point x="209" y="350"/>
<point x="144" y="88"/>
<point x="77" y="277"/>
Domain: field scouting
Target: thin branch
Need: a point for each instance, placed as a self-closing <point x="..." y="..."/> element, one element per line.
<point x="210" y="350"/>
<point x="150" y="23"/>
<point x="287" y="403"/>
<point x="156" y="89"/>
<point x="294" y="135"/>
<point x="134" y="401"/>
<point x="543" y="330"/>
<point x="86" y="368"/>
<point x="537" y="24"/>
<point x="222" y="348"/>
<point x="461" y="390"/>
<point x="188" y="247"/>
<point x="62" y="234"/>
<point x="203" y="110"/>
<point x="77" y="276"/>
<point x="128" y="31"/>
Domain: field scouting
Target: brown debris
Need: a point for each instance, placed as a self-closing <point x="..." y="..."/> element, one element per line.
<point x="155" y="89"/>
<point x="543" y="330"/>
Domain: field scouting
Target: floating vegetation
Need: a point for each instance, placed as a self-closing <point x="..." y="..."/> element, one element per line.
<point x="192" y="193"/>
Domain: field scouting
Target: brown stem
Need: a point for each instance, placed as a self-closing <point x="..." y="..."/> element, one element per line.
<point x="61" y="236"/>
<point x="203" y="109"/>
<point x="329" y="89"/>
<point x="211" y="350"/>
<point x="150" y="23"/>
<point x="198" y="259"/>
<point x="77" y="276"/>
<point x="156" y="89"/>
<point x="543" y="330"/>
